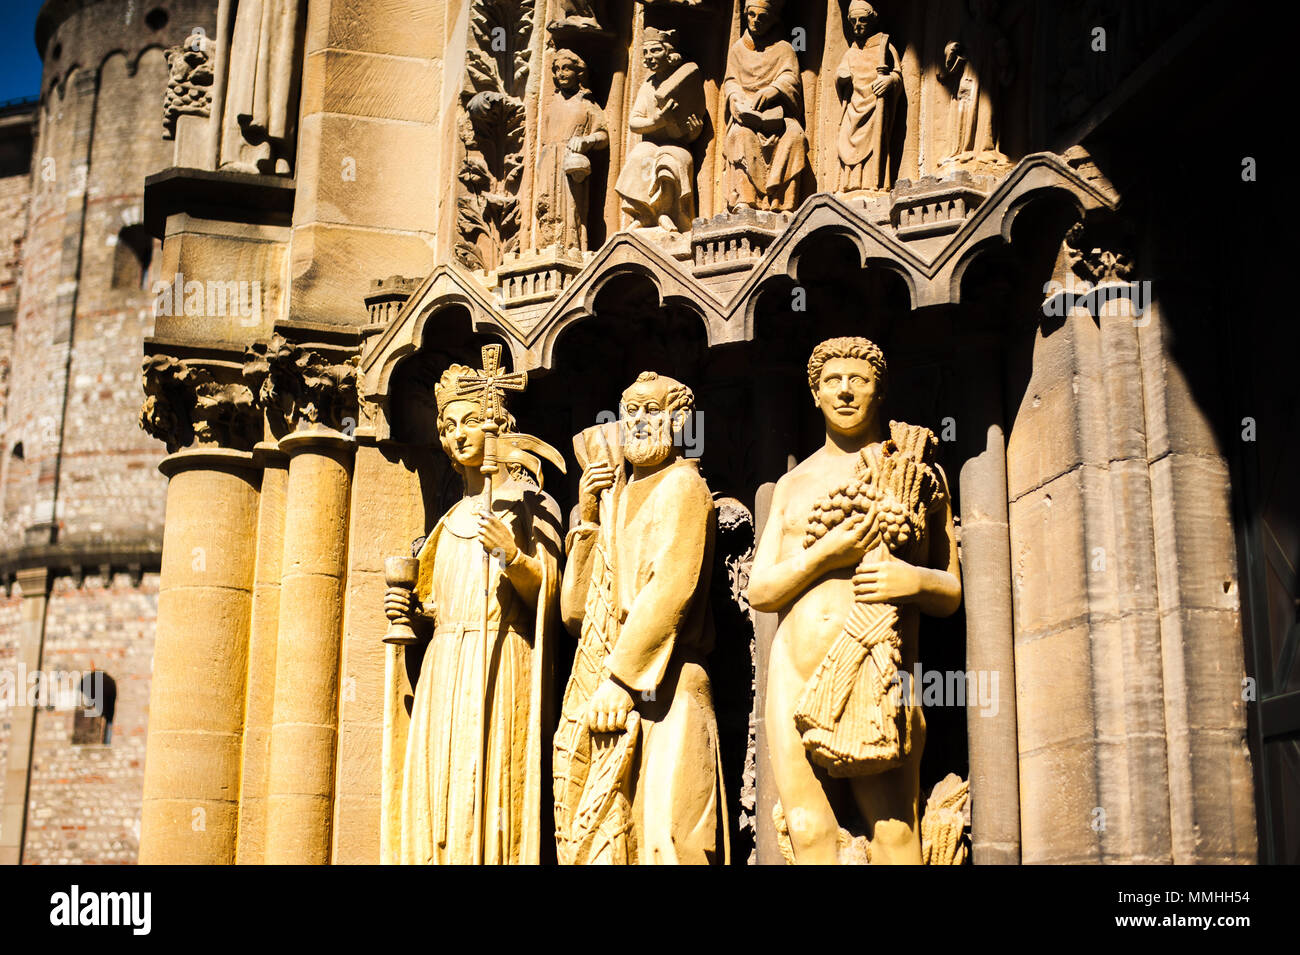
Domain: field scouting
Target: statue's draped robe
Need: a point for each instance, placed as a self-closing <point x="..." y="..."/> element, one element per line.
<point x="662" y="154"/>
<point x="260" y="98"/>
<point x="763" y="168"/>
<point x="561" y="200"/>
<point x="975" y="126"/>
<point x="439" y="784"/>
<point x="865" y="121"/>
<point x="661" y="548"/>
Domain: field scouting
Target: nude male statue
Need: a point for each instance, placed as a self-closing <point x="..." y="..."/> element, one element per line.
<point x="843" y="545"/>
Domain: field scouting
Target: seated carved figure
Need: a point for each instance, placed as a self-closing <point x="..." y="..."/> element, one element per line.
<point x="764" y="148"/>
<point x="859" y="542"/>
<point x="657" y="184"/>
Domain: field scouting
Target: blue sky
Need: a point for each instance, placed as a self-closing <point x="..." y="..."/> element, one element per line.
<point x="20" y="67"/>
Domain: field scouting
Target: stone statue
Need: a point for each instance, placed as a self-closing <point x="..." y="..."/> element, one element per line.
<point x="578" y="16"/>
<point x="764" y="147"/>
<point x="465" y="715"/>
<point x="258" y="132"/>
<point x="573" y="126"/>
<point x="657" y="184"/>
<point x="858" y="543"/>
<point x="637" y="778"/>
<point x="977" y="68"/>
<point x="869" y="84"/>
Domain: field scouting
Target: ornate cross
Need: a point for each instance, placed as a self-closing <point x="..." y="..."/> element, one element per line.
<point x="490" y="384"/>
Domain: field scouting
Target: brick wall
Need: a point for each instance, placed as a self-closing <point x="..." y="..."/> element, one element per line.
<point x="84" y="803"/>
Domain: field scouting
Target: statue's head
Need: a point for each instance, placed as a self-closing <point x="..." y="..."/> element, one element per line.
<point x="569" y="71"/>
<point x="848" y="379"/>
<point x="659" y="50"/>
<point x="761" y="15"/>
<point x="862" y="19"/>
<point x="652" y="414"/>
<point x="460" y="420"/>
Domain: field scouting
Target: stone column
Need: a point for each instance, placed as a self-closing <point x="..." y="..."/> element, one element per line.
<point x="35" y="586"/>
<point x="304" y="731"/>
<point x="196" y="709"/>
<point x="262" y="645"/>
<point x="990" y="637"/>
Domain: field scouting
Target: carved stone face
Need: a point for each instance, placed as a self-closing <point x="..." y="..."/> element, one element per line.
<point x="647" y="428"/>
<point x="862" y="24"/>
<point x="847" y="394"/>
<point x="760" y="19"/>
<point x="566" y="75"/>
<point x="655" y="56"/>
<point x="461" y="425"/>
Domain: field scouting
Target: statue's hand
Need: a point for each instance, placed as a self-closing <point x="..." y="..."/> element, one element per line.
<point x="886" y="581"/>
<point x="497" y="539"/>
<point x="883" y="84"/>
<point x="694" y="124"/>
<point x="594" y="480"/>
<point x="399" y="605"/>
<point x="845" y="543"/>
<point x="609" y="708"/>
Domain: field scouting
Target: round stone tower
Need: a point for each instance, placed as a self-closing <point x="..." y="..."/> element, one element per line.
<point x="81" y="501"/>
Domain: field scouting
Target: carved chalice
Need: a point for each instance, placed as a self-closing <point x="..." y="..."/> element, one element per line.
<point x="401" y="572"/>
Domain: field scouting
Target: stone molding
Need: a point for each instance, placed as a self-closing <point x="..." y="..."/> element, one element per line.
<point x="931" y="265"/>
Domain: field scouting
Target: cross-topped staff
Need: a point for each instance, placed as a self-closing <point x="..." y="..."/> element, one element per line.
<point x="488" y="386"/>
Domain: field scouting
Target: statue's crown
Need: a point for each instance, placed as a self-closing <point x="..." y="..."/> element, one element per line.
<point x="448" y="386"/>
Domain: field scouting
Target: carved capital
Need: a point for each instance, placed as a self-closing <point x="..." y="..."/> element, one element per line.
<point x="300" y="385"/>
<point x="189" y="82"/>
<point x="187" y="403"/>
<point x="1096" y="257"/>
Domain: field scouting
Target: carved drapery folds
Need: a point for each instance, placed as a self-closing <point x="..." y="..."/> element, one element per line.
<point x="189" y="82"/>
<point x="260" y="122"/>
<point x="187" y="403"/>
<point x="492" y="130"/>
<point x="303" y="385"/>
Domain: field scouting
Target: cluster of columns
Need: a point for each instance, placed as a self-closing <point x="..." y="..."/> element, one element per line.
<point x="244" y="708"/>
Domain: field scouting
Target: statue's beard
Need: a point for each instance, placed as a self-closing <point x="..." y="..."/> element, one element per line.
<point x="647" y="450"/>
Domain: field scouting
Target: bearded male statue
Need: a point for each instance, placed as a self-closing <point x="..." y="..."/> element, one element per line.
<point x="636" y="766"/>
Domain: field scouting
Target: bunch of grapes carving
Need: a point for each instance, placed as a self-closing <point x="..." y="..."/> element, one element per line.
<point x="851" y="715"/>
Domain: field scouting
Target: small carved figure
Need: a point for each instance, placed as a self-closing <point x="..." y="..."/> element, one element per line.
<point x="977" y="68"/>
<point x="764" y="147"/>
<point x="869" y="84"/>
<point x="573" y="127"/>
<point x="858" y="544"/>
<point x="478" y="699"/>
<point x="636" y="752"/>
<point x="578" y="16"/>
<point x="657" y="184"/>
